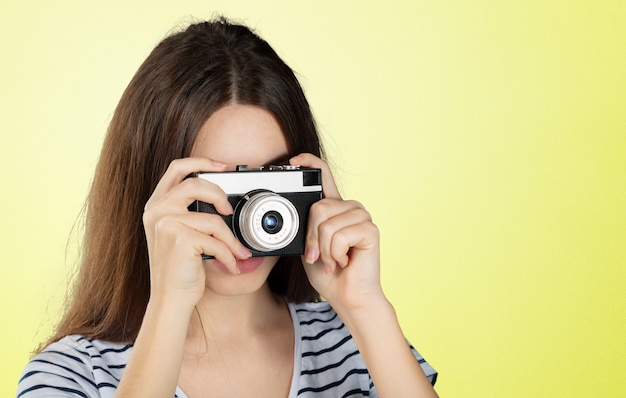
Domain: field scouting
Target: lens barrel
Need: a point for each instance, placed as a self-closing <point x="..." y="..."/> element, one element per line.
<point x="267" y="221"/>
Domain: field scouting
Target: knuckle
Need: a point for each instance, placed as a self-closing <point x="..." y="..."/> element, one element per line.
<point x="364" y="214"/>
<point x="175" y="165"/>
<point x="320" y="208"/>
<point x="325" y="229"/>
<point x="373" y="229"/>
<point x="148" y="217"/>
<point x="356" y="204"/>
<point x="151" y="217"/>
<point x="167" y="224"/>
<point x="190" y="183"/>
<point x="340" y="240"/>
<point x="314" y="209"/>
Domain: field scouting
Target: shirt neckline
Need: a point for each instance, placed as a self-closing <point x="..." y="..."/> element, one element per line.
<point x="297" y="351"/>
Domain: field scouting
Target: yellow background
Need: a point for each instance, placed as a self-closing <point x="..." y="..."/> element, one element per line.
<point x="487" y="138"/>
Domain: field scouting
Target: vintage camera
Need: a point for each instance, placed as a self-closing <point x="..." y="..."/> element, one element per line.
<point x="271" y="206"/>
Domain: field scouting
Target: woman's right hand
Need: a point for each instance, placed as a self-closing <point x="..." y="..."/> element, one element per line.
<point x="177" y="237"/>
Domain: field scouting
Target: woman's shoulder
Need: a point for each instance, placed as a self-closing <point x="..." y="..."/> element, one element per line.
<point x="80" y="350"/>
<point x="313" y="307"/>
<point x="316" y="317"/>
<point x="77" y="342"/>
<point x="329" y="362"/>
<point x="322" y="334"/>
<point x="326" y="342"/>
<point x="76" y="366"/>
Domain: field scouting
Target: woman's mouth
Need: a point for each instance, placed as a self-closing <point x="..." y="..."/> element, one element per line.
<point x="244" y="266"/>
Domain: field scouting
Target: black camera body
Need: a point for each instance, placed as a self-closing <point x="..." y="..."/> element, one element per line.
<point x="271" y="206"/>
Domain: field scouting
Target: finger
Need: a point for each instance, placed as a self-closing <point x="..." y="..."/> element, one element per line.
<point x="197" y="234"/>
<point x="355" y="236"/>
<point x="329" y="233"/>
<point x="329" y="187"/>
<point x="321" y="211"/>
<point x="207" y="244"/>
<point x="186" y="192"/>
<point x="179" y="169"/>
<point x="214" y="225"/>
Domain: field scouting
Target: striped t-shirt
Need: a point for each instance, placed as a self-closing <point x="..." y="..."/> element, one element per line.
<point x="326" y="362"/>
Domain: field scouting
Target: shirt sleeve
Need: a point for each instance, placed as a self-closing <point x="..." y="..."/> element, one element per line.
<point x="62" y="370"/>
<point x="430" y="373"/>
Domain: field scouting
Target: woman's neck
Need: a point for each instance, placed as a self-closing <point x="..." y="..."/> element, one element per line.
<point x="227" y="318"/>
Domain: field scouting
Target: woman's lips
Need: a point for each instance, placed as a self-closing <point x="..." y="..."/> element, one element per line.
<point x="244" y="266"/>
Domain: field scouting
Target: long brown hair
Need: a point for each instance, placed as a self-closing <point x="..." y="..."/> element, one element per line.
<point x="186" y="78"/>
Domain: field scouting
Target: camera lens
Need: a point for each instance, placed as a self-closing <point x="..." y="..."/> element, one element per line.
<point x="272" y="222"/>
<point x="266" y="221"/>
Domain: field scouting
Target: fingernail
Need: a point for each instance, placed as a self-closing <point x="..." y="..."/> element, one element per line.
<point x="228" y="209"/>
<point x="311" y="255"/>
<point x="295" y="160"/>
<point x="244" y="252"/>
<point x="217" y="163"/>
<point x="328" y="269"/>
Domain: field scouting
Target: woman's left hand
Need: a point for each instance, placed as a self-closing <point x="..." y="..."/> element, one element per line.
<point x="342" y="250"/>
<point x="342" y="261"/>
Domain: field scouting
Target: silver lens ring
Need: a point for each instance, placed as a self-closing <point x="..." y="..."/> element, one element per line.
<point x="251" y="217"/>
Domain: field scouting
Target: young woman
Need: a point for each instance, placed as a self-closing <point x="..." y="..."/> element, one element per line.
<point x="149" y="317"/>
